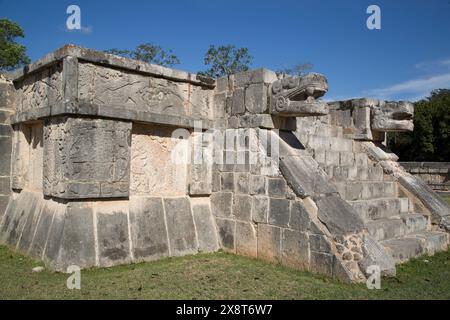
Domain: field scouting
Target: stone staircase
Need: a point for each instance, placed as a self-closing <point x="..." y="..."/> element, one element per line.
<point x="388" y="215"/>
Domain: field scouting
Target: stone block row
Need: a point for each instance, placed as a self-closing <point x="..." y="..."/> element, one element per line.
<point x="106" y="233"/>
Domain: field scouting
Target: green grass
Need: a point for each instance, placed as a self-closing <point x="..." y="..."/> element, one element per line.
<point x="446" y="197"/>
<point x="216" y="276"/>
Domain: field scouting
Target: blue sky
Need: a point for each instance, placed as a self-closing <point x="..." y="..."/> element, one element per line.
<point x="407" y="58"/>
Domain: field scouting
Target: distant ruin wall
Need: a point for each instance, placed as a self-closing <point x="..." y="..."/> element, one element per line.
<point x="435" y="174"/>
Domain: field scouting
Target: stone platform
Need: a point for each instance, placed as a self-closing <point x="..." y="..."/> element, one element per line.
<point x="107" y="160"/>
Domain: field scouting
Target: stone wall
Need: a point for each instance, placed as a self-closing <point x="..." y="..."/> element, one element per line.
<point x="435" y="174"/>
<point x="6" y="110"/>
<point x="117" y="161"/>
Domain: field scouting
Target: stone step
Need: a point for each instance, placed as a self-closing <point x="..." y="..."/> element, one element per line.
<point x="361" y="190"/>
<point x="384" y="229"/>
<point x="336" y="158"/>
<point x="329" y="143"/>
<point x="413" y="245"/>
<point x="374" y="209"/>
<point x="414" y="222"/>
<point x="357" y="173"/>
<point x="403" y="249"/>
<point x="308" y="127"/>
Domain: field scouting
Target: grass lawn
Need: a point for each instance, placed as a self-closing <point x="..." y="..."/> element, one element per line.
<point x="216" y="276"/>
<point x="446" y="198"/>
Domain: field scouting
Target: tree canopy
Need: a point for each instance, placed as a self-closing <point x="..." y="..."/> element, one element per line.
<point x="225" y="60"/>
<point x="299" y="69"/>
<point x="12" y="54"/>
<point x="430" y="140"/>
<point x="149" y="53"/>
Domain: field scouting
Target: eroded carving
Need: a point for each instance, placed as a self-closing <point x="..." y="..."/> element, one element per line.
<point x="296" y="96"/>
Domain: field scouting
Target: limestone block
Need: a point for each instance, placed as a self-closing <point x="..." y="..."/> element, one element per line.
<point x="246" y="242"/>
<point x="43" y="88"/>
<point x="245" y="78"/>
<point x="77" y="244"/>
<point x="242" y="207"/>
<point x="180" y="226"/>
<point x="227" y="181"/>
<point x="238" y="105"/>
<point x="319" y="243"/>
<point x="256" y="98"/>
<point x="112" y="233"/>
<point x="227" y="234"/>
<point x="148" y="230"/>
<point x="299" y="219"/>
<point x="86" y="158"/>
<point x="276" y="187"/>
<point x="242" y="182"/>
<point x="269" y="243"/>
<point x="338" y="215"/>
<point x="204" y="225"/>
<point x="114" y="87"/>
<point x="260" y="209"/>
<point x="45" y="227"/>
<point x="5" y="156"/>
<point x="304" y="176"/>
<point x="279" y="212"/>
<point x="295" y="252"/>
<point x="322" y="263"/>
<point x="222" y="204"/>
<point x="29" y="228"/>
<point x="155" y="154"/>
<point x="15" y="218"/>
<point x="257" y="184"/>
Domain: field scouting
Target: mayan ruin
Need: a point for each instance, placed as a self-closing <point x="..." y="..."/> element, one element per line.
<point x="108" y="161"/>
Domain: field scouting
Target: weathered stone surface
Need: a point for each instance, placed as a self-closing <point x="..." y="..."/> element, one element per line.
<point x="227" y="234"/>
<point x="269" y="243"/>
<point x="227" y="181"/>
<point x="437" y="206"/>
<point x="279" y="212"/>
<point x="295" y="252"/>
<point x="148" y="228"/>
<point x="242" y="207"/>
<point x="304" y="176"/>
<point x="319" y="243"/>
<point x="246" y="240"/>
<point x="295" y="96"/>
<point x="257" y="184"/>
<point x="93" y="161"/>
<point x="180" y="226"/>
<point x="108" y="86"/>
<point x="322" y="263"/>
<point x="222" y="204"/>
<point x="30" y="225"/>
<point x="256" y="98"/>
<point x="77" y="246"/>
<point x="5" y="156"/>
<point x="299" y="219"/>
<point x="260" y="209"/>
<point x="242" y="182"/>
<point x="112" y="233"/>
<point x="238" y="106"/>
<point x="376" y="254"/>
<point x="338" y="215"/>
<point x="205" y="226"/>
<point x="276" y="187"/>
<point x="45" y="228"/>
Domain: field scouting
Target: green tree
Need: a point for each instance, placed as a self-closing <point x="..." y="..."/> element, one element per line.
<point x="149" y="53"/>
<point x="12" y="54"/>
<point x="430" y="140"/>
<point x="299" y="69"/>
<point x="225" y="60"/>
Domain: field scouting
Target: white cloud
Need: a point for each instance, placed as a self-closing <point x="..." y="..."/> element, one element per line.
<point x="420" y="87"/>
